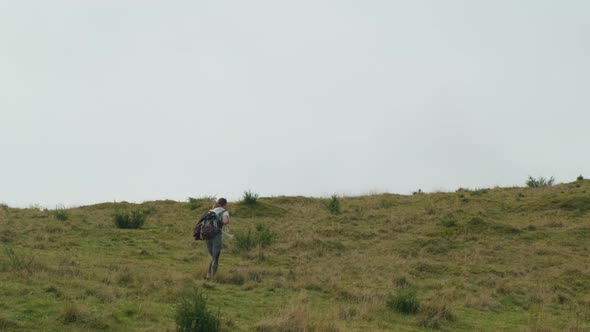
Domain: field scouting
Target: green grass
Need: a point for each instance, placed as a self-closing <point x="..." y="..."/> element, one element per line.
<point x="192" y="314"/>
<point x="508" y="259"/>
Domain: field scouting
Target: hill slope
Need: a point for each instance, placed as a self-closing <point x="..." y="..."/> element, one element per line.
<point x="488" y="259"/>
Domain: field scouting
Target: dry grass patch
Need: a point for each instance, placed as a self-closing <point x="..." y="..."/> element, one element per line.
<point x="75" y="314"/>
<point x="298" y="317"/>
<point x="434" y="314"/>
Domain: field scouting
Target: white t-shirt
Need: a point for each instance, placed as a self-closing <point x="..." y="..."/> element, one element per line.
<point x="218" y="209"/>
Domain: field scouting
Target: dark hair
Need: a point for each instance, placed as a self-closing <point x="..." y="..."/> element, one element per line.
<point x="222" y="202"/>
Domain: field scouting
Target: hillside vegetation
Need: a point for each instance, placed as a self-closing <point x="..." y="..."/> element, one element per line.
<point x="513" y="259"/>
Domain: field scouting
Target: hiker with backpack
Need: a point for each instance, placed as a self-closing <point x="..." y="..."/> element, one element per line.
<point x="209" y="229"/>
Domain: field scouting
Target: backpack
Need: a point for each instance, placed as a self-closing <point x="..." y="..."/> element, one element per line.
<point x="208" y="226"/>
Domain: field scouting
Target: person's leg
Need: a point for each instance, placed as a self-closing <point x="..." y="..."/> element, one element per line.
<point x="210" y="249"/>
<point x="215" y="252"/>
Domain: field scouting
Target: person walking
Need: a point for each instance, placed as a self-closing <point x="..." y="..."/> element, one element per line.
<point x="214" y="244"/>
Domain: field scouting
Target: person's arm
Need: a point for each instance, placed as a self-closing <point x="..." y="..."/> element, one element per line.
<point x="225" y="219"/>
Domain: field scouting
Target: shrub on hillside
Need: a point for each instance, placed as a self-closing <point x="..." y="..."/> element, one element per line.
<point x="532" y="182"/>
<point x="192" y="314"/>
<point x="334" y="204"/>
<point x="249" y="198"/>
<point x="60" y="213"/>
<point x="404" y="301"/>
<point x="262" y="237"/>
<point x="245" y="241"/>
<point x="130" y="219"/>
<point x="37" y="207"/>
<point x="193" y="203"/>
<point x="202" y="202"/>
<point x="580" y="178"/>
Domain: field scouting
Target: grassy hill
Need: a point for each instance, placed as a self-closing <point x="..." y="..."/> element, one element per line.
<point x="514" y="259"/>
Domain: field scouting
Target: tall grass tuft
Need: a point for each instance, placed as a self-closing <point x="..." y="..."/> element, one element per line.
<point x="433" y="315"/>
<point x="334" y="204"/>
<point x="540" y="181"/>
<point x="245" y="241"/>
<point x="60" y="213"/>
<point x="404" y="301"/>
<point x="449" y="221"/>
<point x="262" y="237"/>
<point x="71" y="314"/>
<point x="192" y="314"/>
<point x="130" y="219"/>
<point x="19" y="263"/>
<point x="249" y="198"/>
<point x="8" y="325"/>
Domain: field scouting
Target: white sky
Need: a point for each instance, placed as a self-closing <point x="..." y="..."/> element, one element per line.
<point x="142" y="100"/>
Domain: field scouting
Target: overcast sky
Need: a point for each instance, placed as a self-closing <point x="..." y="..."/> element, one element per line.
<point x="144" y="100"/>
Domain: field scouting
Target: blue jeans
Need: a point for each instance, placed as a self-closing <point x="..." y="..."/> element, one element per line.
<point x="214" y="247"/>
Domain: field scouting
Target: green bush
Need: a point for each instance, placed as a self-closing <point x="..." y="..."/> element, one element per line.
<point x="202" y="202"/>
<point x="193" y="203"/>
<point x="192" y="314"/>
<point x="580" y="178"/>
<point x="531" y="182"/>
<point x="334" y="204"/>
<point x="245" y="241"/>
<point x="60" y="213"/>
<point x="262" y="237"/>
<point x="249" y="198"/>
<point x="130" y="219"/>
<point x="404" y="301"/>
